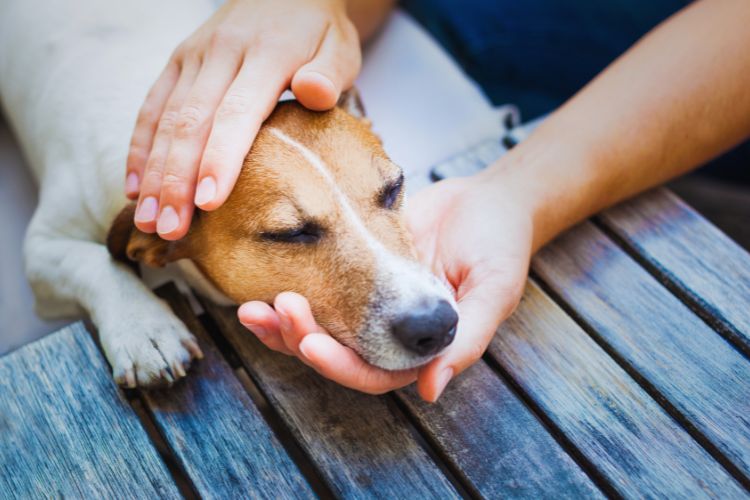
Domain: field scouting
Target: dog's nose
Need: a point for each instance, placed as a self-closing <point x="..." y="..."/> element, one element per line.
<point x="428" y="329"/>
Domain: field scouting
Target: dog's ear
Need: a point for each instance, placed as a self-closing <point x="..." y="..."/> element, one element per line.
<point x="351" y="103"/>
<point x="127" y="244"/>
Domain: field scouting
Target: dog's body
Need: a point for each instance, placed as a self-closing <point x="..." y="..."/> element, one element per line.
<point x="71" y="84"/>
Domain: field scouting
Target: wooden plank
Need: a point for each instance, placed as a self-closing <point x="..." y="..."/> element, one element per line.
<point x="215" y="430"/>
<point x="691" y="256"/>
<point x="65" y="429"/>
<point x="361" y="444"/>
<point x="614" y="423"/>
<point x="698" y="372"/>
<point x="497" y="445"/>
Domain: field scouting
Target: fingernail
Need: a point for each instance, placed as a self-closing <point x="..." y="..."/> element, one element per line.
<point x="286" y="324"/>
<point x="147" y="210"/>
<point x="168" y="220"/>
<point x="258" y="330"/>
<point x="442" y="381"/>
<point x="131" y="183"/>
<point x="303" y="349"/>
<point x="206" y="191"/>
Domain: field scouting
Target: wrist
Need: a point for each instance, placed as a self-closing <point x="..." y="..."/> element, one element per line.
<point x="547" y="179"/>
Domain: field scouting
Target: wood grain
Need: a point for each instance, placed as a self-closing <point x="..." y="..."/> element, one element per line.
<point x="361" y="444"/>
<point x="697" y="371"/>
<point x="215" y="430"/>
<point x="500" y="448"/>
<point x="693" y="257"/>
<point x="65" y="429"/>
<point x="614" y="423"/>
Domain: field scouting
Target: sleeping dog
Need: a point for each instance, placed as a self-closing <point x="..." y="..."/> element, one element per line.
<point x="316" y="209"/>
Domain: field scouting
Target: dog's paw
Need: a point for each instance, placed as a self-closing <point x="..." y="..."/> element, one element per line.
<point x="153" y="354"/>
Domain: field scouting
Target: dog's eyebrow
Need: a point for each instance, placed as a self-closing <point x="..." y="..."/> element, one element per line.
<point x="317" y="163"/>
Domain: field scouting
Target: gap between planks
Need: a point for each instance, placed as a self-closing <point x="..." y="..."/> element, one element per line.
<point x="284" y="434"/>
<point x="586" y="465"/>
<point x="303" y="462"/>
<point x="643" y="382"/>
<point x="675" y="286"/>
<point x="134" y="398"/>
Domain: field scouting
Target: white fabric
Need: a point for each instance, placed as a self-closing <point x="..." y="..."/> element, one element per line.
<point x="420" y="102"/>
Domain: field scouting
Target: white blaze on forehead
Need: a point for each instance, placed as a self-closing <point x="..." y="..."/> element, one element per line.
<point x="408" y="279"/>
<point x="323" y="170"/>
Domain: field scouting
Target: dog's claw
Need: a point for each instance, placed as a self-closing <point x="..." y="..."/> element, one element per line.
<point x="166" y="378"/>
<point x="152" y="358"/>
<point x="178" y="370"/>
<point x="125" y="377"/>
<point x="193" y="348"/>
<point x="130" y="379"/>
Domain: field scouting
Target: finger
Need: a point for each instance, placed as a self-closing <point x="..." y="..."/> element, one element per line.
<point x="342" y="365"/>
<point x="145" y="128"/>
<point x="480" y="312"/>
<point x="248" y="101"/>
<point x="318" y="84"/>
<point x="262" y="320"/>
<point x="295" y="319"/>
<point x="188" y="140"/>
<point x="148" y="200"/>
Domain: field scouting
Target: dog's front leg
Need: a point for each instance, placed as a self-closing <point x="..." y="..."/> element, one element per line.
<point x="145" y="343"/>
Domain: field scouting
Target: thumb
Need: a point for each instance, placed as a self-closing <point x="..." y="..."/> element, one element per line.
<point x="318" y="84"/>
<point x="480" y="312"/>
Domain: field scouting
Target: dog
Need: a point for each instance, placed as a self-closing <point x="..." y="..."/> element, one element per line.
<point x="316" y="209"/>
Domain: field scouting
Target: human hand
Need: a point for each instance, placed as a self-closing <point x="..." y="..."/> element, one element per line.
<point x="202" y="114"/>
<point x="289" y="327"/>
<point x="473" y="233"/>
<point x="476" y="234"/>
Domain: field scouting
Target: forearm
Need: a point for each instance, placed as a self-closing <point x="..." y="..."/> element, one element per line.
<point x="369" y="15"/>
<point x="676" y="99"/>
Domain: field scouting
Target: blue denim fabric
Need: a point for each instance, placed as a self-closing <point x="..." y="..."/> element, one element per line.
<point x="538" y="53"/>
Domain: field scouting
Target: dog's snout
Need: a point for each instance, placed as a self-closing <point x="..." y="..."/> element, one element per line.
<point x="427" y="329"/>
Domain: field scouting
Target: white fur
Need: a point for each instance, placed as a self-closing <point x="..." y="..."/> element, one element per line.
<point x="198" y="282"/>
<point x="72" y="78"/>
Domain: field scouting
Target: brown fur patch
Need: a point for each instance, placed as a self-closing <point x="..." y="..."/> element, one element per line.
<point x="278" y="189"/>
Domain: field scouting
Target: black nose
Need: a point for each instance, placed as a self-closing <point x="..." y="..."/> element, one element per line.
<point x="427" y="329"/>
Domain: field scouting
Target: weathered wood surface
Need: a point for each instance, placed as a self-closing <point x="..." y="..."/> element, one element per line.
<point x="624" y="434"/>
<point x="693" y="257"/>
<point x="65" y="429"/>
<point x="215" y="430"/>
<point x="498" y="446"/>
<point x="361" y="444"/>
<point x="698" y="372"/>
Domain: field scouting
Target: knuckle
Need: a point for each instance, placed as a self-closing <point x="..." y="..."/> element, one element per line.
<point x="172" y="180"/>
<point x="151" y="181"/>
<point x="182" y="50"/>
<point x="224" y="38"/>
<point x="190" y="120"/>
<point x="167" y="121"/>
<point x="137" y="156"/>
<point x="236" y="102"/>
<point x="147" y="115"/>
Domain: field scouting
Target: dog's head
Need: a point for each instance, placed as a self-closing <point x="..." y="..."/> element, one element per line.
<point x="317" y="210"/>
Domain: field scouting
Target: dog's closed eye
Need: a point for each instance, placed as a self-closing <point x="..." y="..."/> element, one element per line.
<point x="390" y="193"/>
<point x="307" y="233"/>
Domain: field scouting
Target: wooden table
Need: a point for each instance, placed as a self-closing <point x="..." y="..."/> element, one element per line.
<point x="625" y="372"/>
